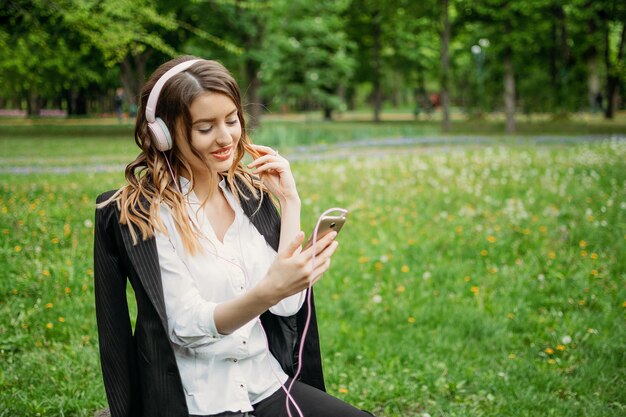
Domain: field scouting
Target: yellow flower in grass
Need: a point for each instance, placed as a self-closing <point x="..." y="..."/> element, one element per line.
<point x="343" y="390"/>
<point x="543" y="229"/>
<point x="17" y="248"/>
<point x="551" y="361"/>
<point x="560" y="347"/>
<point x="55" y="240"/>
<point x="594" y="272"/>
<point x="512" y="356"/>
<point x="49" y="326"/>
<point x="583" y="253"/>
<point x="549" y="351"/>
<point x="484" y="252"/>
<point x="62" y="319"/>
<point x="475" y="289"/>
<point x="362" y="260"/>
<point x="411" y="319"/>
<point x="49" y="305"/>
<point x="491" y="239"/>
<point x="593" y="255"/>
<point x="552" y="254"/>
<point x="405" y="268"/>
<point x="45" y="273"/>
<point x="400" y="289"/>
<point x="582" y="244"/>
<point x="378" y="265"/>
<point x="459" y="230"/>
<point x="68" y="290"/>
<point x="467" y="278"/>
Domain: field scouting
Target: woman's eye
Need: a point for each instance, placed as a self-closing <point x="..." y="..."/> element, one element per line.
<point x="204" y="130"/>
<point x="232" y="122"/>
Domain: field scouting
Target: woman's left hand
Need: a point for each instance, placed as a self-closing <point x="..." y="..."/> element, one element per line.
<point x="275" y="172"/>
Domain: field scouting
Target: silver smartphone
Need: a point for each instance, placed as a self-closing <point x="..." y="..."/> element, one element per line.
<point x="327" y="225"/>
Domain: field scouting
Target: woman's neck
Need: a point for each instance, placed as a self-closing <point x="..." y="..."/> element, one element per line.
<point x="205" y="185"/>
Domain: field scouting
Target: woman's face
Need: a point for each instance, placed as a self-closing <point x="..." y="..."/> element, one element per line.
<point x="215" y="132"/>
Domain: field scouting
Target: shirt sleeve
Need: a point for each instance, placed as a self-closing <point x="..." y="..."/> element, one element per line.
<point x="190" y="318"/>
<point x="290" y="305"/>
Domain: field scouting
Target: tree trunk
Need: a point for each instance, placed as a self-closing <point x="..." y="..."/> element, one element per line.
<point x="445" y="69"/>
<point x="133" y="75"/>
<point x="33" y="104"/>
<point x="377" y="73"/>
<point x="612" y="77"/>
<point x="593" y="80"/>
<point x="253" y="104"/>
<point x="81" y="102"/>
<point x="509" y="91"/>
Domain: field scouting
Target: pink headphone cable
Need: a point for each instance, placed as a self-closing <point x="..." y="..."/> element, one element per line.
<point x="289" y="397"/>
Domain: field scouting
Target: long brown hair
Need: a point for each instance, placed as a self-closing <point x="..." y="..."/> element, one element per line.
<point x="149" y="180"/>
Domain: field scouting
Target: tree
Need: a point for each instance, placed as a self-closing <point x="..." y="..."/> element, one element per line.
<point x="445" y="66"/>
<point x="41" y="59"/>
<point x="306" y="54"/>
<point x="614" y="27"/>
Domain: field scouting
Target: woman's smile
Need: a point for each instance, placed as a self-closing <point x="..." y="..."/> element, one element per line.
<point x="223" y="153"/>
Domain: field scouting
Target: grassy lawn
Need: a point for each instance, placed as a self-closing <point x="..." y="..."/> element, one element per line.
<point x="469" y="281"/>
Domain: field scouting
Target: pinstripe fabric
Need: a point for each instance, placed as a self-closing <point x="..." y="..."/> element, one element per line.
<point x="140" y="374"/>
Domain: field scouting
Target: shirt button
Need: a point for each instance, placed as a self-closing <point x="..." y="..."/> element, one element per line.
<point x="241" y="288"/>
<point x="241" y="386"/>
<point x="244" y="342"/>
<point x="235" y="360"/>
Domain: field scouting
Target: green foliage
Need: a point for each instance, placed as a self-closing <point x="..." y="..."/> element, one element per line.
<point x="307" y="55"/>
<point x="38" y="55"/>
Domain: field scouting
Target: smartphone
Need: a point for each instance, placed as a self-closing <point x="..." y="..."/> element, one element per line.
<point x="327" y="225"/>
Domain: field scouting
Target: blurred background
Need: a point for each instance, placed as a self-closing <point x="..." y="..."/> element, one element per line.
<point x="403" y="59"/>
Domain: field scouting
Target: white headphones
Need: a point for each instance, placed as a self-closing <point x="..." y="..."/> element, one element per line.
<point x="161" y="136"/>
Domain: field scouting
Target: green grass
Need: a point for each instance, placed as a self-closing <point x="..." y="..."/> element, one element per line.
<point x="469" y="281"/>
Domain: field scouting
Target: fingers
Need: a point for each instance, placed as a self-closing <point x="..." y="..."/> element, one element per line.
<point x="266" y="159"/>
<point x="320" y="244"/>
<point x="293" y="246"/>
<point x="322" y="261"/>
<point x="277" y="166"/>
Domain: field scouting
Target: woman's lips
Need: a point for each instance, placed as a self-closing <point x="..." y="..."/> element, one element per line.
<point x="222" y="154"/>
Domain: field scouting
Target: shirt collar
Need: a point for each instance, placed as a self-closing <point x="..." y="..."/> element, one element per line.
<point x="185" y="185"/>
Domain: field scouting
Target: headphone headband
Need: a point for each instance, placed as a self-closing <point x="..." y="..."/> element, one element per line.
<point x="156" y="90"/>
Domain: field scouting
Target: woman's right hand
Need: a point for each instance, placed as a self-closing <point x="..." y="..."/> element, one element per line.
<point x="292" y="271"/>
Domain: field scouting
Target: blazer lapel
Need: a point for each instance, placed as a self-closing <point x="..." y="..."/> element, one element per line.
<point x="265" y="218"/>
<point x="145" y="260"/>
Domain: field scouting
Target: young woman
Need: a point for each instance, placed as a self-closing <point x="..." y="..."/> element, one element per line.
<point x="220" y="278"/>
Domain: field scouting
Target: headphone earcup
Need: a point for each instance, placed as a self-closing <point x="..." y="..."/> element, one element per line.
<point x="160" y="135"/>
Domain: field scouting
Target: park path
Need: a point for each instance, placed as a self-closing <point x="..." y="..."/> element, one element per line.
<point x="373" y="148"/>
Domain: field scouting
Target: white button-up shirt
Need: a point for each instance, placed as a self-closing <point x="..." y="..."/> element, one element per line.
<point x="219" y="372"/>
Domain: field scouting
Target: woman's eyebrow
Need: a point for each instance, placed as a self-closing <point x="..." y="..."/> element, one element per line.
<point x="213" y="119"/>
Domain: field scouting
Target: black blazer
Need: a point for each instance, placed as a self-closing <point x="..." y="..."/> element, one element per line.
<point x="140" y="374"/>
